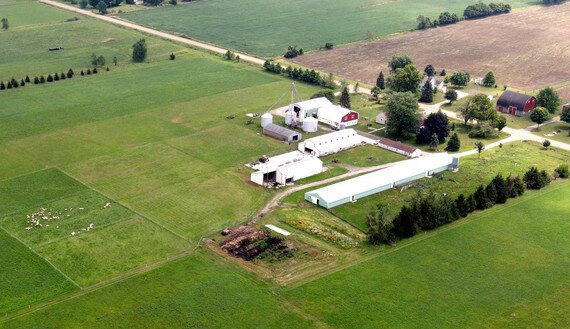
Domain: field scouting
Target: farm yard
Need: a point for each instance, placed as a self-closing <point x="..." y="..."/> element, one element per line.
<point x="300" y="23"/>
<point x="118" y="190"/>
<point x="524" y="49"/>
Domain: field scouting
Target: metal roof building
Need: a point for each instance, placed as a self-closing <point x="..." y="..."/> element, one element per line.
<point x="286" y="168"/>
<point x="281" y="133"/>
<point x="515" y="103"/>
<point x="331" y="143"/>
<point x="400" y="173"/>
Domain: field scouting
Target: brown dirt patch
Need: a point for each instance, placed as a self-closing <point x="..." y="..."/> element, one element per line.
<point x="526" y="49"/>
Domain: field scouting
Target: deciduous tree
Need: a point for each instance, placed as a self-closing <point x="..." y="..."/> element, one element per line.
<point x="402" y="109"/>
<point x="399" y="62"/>
<point x="549" y="99"/>
<point x="539" y="115"/>
<point x="405" y="79"/>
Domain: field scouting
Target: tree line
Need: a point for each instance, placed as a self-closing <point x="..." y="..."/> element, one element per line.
<point x="477" y="10"/>
<point x="13" y="83"/>
<point x="308" y="76"/>
<point x="427" y="211"/>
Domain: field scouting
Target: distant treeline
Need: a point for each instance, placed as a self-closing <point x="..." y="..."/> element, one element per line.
<point x="478" y="10"/>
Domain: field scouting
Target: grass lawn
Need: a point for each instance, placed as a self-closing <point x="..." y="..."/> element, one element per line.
<point x="364" y="156"/>
<point x="560" y="130"/>
<point x="26" y="277"/>
<point x="199" y="291"/>
<point x="306" y="24"/>
<point x="506" y="267"/>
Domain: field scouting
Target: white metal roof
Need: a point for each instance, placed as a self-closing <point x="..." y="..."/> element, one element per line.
<point x="315" y="103"/>
<point x="332" y="136"/>
<point x="282" y="160"/>
<point x="398" y="171"/>
<point x="333" y="112"/>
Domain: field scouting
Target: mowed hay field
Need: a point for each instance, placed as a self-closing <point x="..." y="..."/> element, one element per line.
<point x="151" y="140"/>
<point x="526" y="49"/>
<point x="267" y="27"/>
<point x="506" y="267"/>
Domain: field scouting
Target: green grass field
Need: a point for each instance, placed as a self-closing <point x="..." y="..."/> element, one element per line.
<point x="364" y="156"/>
<point x="243" y="24"/>
<point x="35" y="27"/>
<point x="504" y="267"/>
<point x="26" y="277"/>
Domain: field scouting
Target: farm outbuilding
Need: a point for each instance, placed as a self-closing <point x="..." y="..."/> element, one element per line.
<point x="285" y="168"/>
<point x="331" y="143"/>
<point x="515" y="103"/>
<point x="382" y="118"/>
<point x="281" y="133"/>
<point x="400" y="148"/>
<point x="309" y="108"/>
<point x="399" y="174"/>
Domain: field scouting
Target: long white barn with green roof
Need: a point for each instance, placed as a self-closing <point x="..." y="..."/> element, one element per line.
<point x="381" y="180"/>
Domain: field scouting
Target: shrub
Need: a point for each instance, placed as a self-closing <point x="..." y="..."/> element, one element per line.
<point x="329" y="46"/>
<point x="2" y="85"/>
<point x="42" y="79"/>
<point x="95" y="70"/>
<point x="56" y="77"/>
<point x="562" y="171"/>
<point x="70" y="74"/>
<point x="535" y="180"/>
<point x="172" y="57"/>
<point x="49" y="78"/>
<point x="62" y="76"/>
<point x="515" y="186"/>
<point x="88" y="72"/>
<point x="36" y="80"/>
<point x="292" y="52"/>
<point x="22" y="83"/>
<point x="139" y="51"/>
<point x="27" y="79"/>
<point x="483" y="131"/>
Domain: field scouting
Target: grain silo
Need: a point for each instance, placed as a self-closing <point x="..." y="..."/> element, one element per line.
<point x="266" y="119"/>
<point x="289" y="118"/>
<point x="310" y="125"/>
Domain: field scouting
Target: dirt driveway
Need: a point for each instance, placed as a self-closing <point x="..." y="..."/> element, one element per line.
<point x="526" y="49"/>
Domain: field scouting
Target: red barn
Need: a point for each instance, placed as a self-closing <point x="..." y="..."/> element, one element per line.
<point x="515" y="103"/>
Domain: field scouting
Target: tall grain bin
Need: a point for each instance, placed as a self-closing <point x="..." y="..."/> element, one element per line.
<point x="289" y="118"/>
<point x="310" y="124"/>
<point x="266" y="119"/>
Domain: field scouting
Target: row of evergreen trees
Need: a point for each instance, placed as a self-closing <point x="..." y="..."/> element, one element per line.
<point x="427" y="211"/>
<point x="308" y="76"/>
<point x="13" y="83"/>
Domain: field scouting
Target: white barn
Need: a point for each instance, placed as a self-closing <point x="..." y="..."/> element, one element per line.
<point x="325" y="112"/>
<point x="399" y="174"/>
<point x="331" y="143"/>
<point x="285" y="168"/>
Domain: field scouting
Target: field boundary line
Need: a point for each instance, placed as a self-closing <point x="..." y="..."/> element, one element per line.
<point x="25" y="174"/>
<point x="39" y="204"/>
<point x="42" y="257"/>
<point x="425" y="236"/>
<point x="129" y="208"/>
<point x="98" y="286"/>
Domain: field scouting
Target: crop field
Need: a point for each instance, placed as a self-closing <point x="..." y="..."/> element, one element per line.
<point x="306" y="24"/>
<point x="524" y="49"/>
<point x="504" y="267"/>
<point x="564" y="93"/>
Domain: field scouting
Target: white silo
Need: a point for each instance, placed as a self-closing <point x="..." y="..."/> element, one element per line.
<point x="289" y="118"/>
<point x="310" y="125"/>
<point x="266" y="119"/>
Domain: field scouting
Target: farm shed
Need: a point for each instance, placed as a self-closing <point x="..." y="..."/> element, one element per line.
<point x="515" y="103"/>
<point x="337" y="116"/>
<point x="331" y="143"/>
<point x="397" y="175"/>
<point x="399" y="148"/>
<point x="285" y="168"/>
<point x="382" y="118"/>
<point x="281" y="133"/>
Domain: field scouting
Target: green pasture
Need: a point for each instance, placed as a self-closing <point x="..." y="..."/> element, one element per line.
<point x="504" y="267"/>
<point x="35" y="27"/>
<point x="26" y="278"/>
<point x="199" y="291"/>
<point x="244" y="24"/>
<point x="119" y="239"/>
